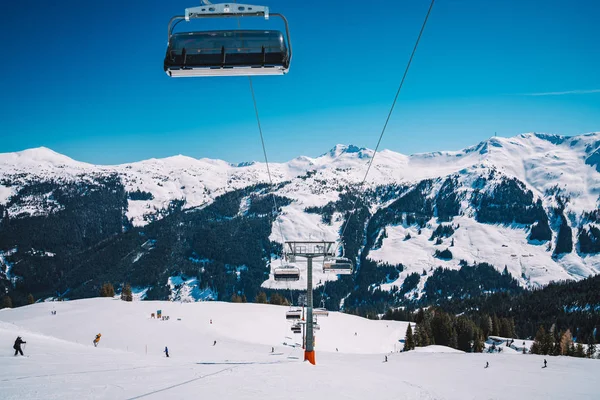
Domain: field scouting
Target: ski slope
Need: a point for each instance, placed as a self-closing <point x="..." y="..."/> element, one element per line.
<point x="62" y="363"/>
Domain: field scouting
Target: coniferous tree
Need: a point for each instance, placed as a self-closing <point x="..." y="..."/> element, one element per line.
<point x="591" y="348"/>
<point x="6" y="302"/>
<point x="539" y="343"/>
<point x="579" y="351"/>
<point x="571" y="351"/>
<point x="495" y="326"/>
<point x="478" y="344"/>
<point x="126" y="294"/>
<point x="422" y="335"/>
<point x="244" y="300"/>
<point x="548" y="346"/>
<point x="30" y="299"/>
<point x="235" y="298"/>
<point x="107" y="290"/>
<point x="261" y="298"/>
<point x="409" y="341"/>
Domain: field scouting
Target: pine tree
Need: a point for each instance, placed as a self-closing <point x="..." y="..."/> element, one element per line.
<point x="486" y="325"/>
<point x="244" y="300"/>
<point x="261" y="298"/>
<point x="478" y="343"/>
<point x="539" y="344"/>
<point x="6" y="302"/>
<point x="126" y="294"/>
<point x="422" y="337"/>
<point x="409" y="341"/>
<point x="235" y="298"/>
<point x="591" y="348"/>
<point x="453" y="340"/>
<point x="30" y="299"/>
<point x="495" y="326"/>
<point x="579" y="351"/>
<point x="548" y="346"/>
<point x="107" y="290"/>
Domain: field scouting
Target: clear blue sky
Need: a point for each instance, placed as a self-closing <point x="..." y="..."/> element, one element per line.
<point x="85" y="78"/>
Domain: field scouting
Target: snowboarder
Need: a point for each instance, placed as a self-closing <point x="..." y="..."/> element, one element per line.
<point x="545" y="362"/>
<point x="97" y="340"/>
<point x="166" y="351"/>
<point x="487" y="364"/>
<point x="17" y="345"/>
<point x="215" y="343"/>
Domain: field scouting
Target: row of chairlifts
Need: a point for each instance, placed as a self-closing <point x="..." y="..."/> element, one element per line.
<point x="335" y="265"/>
<point x="227" y="52"/>
<point x="295" y="313"/>
<point x="297" y="326"/>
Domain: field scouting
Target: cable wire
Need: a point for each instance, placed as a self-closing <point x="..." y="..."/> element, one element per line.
<point x="388" y="118"/>
<point x="262" y="141"/>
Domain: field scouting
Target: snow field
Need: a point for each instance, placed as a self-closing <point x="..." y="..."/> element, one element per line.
<point x="63" y="364"/>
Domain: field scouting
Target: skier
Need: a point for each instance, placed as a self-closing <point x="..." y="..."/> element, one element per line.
<point x="215" y="343"/>
<point x="272" y="349"/>
<point x="166" y="351"/>
<point x="97" y="340"/>
<point x="545" y="362"/>
<point x="17" y="345"/>
<point x="487" y="364"/>
<point x="385" y="359"/>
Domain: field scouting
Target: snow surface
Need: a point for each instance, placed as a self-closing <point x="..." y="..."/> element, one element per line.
<point x="129" y="364"/>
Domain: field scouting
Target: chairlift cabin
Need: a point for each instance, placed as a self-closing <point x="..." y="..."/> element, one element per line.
<point x="286" y="273"/>
<point x="338" y="265"/>
<point x="227" y="52"/>
<point x="293" y="314"/>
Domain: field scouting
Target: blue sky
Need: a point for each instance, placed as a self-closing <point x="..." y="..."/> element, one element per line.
<point x="86" y="78"/>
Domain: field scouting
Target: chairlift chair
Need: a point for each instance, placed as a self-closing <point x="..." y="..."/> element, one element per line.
<point x="286" y="273"/>
<point x="338" y="265"/>
<point x="227" y="52"/>
<point x="296" y="328"/>
<point x="293" y="314"/>
<point x="321" y="311"/>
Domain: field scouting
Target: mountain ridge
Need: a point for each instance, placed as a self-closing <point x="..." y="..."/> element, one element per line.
<point x="526" y="204"/>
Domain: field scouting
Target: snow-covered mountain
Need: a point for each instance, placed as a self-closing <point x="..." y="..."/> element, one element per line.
<point x="482" y="204"/>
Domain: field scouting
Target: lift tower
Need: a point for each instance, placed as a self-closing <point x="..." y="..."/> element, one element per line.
<point x="310" y="250"/>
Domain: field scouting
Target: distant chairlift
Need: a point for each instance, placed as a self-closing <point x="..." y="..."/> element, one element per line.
<point x="296" y="328"/>
<point x="338" y="265"/>
<point x="293" y="313"/>
<point x="286" y="273"/>
<point x="321" y="312"/>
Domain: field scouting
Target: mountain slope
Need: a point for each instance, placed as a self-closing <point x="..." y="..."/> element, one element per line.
<point x="528" y="204"/>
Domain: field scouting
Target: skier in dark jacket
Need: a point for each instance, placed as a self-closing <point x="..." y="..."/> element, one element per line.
<point x="166" y="351"/>
<point x="17" y="346"/>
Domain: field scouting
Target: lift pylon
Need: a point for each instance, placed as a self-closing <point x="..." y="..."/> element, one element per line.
<point x="309" y="250"/>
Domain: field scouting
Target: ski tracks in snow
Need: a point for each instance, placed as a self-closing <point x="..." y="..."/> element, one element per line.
<point x="183" y="383"/>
